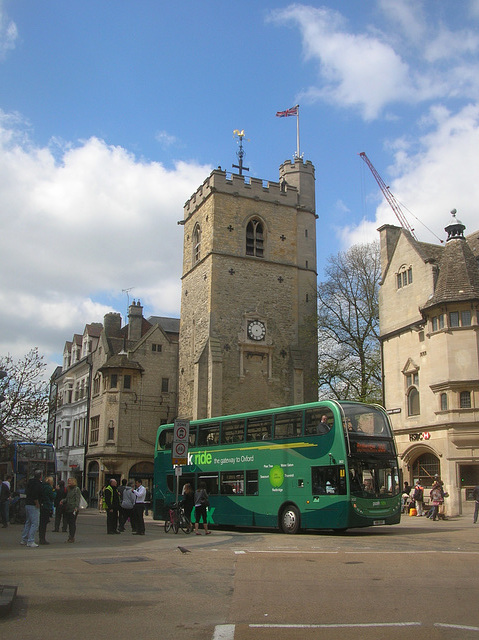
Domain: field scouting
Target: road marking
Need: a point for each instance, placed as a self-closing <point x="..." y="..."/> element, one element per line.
<point x="224" y="632"/>
<point x="292" y="552"/>
<point x="456" y="626"/>
<point x="227" y="631"/>
<point x="335" y="626"/>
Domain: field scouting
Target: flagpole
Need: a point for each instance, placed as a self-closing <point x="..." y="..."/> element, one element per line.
<point x="297" y="132"/>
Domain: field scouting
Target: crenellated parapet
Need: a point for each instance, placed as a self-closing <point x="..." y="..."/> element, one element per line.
<point x="242" y="186"/>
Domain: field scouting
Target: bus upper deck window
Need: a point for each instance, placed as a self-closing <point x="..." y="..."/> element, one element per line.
<point x="165" y="440"/>
<point x="208" y="434"/>
<point x="258" y="428"/>
<point x="232" y="431"/>
<point x="318" y="421"/>
<point x="288" y="424"/>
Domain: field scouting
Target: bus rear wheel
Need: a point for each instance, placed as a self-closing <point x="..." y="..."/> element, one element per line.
<point x="289" y="520"/>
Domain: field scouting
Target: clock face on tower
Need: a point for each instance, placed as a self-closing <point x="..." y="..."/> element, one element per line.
<point x="256" y="330"/>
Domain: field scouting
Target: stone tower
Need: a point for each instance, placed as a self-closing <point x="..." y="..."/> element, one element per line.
<point x="247" y="333"/>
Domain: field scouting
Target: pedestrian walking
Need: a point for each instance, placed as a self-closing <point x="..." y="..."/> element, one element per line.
<point x="71" y="505"/>
<point x="201" y="504"/>
<point x="112" y="503"/>
<point x="5" y="493"/>
<point x="140" y="493"/>
<point x="33" y="498"/>
<point x="475" y="495"/>
<point x="60" y="495"/>
<point x="418" y="497"/>
<point x="46" y="508"/>
<point x="436" y="498"/>
<point x="127" y="507"/>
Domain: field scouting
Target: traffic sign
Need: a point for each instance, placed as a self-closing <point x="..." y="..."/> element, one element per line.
<point x="181" y="437"/>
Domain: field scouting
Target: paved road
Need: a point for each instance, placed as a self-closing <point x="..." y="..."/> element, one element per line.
<point x="415" y="579"/>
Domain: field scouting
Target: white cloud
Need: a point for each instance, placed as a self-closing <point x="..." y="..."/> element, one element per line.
<point x="8" y="33"/>
<point x="165" y="138"/>
<point x="410" y="59"/>
<point x="83" y="229"/>
<point x="434" y="175"/>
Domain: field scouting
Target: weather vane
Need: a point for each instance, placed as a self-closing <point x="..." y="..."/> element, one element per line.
<point x="240" y="152"/>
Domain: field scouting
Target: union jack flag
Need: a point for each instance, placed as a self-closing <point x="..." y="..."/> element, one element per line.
<point x="289" y="112"/>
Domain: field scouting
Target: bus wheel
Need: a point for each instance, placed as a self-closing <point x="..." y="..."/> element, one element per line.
<point x="289" y="521"/>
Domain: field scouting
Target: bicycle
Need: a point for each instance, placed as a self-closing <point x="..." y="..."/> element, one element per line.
<point x="177" y="520"/>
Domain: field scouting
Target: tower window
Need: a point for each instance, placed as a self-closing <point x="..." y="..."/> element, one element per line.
<point x="254" y="238"/>
<point x="196" y="244"/>
<point x="466" y="318"/>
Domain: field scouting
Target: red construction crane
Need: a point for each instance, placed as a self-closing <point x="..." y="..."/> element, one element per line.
<point x="389" y="196"/>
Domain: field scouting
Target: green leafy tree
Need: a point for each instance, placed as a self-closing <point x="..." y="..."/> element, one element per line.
<point x="23" y="413"/>
<point x="349" y="365"/>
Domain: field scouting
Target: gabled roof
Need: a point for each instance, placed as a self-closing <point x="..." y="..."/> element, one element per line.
<point x="169" y="325"/>
<point x="93" y="329"/>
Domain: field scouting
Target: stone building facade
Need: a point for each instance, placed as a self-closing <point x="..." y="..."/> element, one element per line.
<point x="133" y="390"/>
<point x="429" y="301"/>
<point x="247" y="338"/>
<point x="70" y="416"/>
<point x="116" y="385"/>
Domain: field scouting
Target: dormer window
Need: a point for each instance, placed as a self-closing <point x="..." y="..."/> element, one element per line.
<point x="404" y="277"/>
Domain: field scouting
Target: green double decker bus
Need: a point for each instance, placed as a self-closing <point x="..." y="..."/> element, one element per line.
<point x="322" y="465"/>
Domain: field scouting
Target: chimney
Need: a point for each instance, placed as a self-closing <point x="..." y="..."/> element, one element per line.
<point x="135" y="320"/>
<point x="112" y="325"/>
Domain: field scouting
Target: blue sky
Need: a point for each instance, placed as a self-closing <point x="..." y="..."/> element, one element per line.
<point x="113" y="112"/>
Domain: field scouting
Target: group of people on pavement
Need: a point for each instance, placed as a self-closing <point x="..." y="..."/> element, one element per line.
<point x="40" y="500"/>
<point x="413" y="497"/>
<point x="123" y="503"/>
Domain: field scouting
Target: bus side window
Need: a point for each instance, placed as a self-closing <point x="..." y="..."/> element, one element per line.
<point x="211" y="480"/>
<point x="288" y="425"/>
<point x="192" y="438"/>
<point x="208" y="434"/>
<point x="165" y="440"/>
<point x="258" y="428"/>
<point x="252" y="483"/>
<point x="318" y="421"/>
<point x="232" y="483"/>
<point x="328" y="480"/>
<point x="232" y="431"/>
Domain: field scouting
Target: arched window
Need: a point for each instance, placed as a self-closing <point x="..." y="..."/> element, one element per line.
<point x="196" y="244"/>
<point x="425" y="468"/>
<point x="443" y="401"/>
<point x="413" y="402"/>
<point x="255" y="238"/>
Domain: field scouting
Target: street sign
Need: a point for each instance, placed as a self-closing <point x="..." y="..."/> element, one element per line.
<point x="181" y="436"/>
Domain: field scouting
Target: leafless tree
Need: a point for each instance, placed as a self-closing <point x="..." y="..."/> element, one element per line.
<point x="348" y="326"/>
<point x="23" y="413"/>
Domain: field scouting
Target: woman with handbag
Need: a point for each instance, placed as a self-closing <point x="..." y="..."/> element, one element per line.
<point x="71" y="504"/>
<point x="201" y="504"/>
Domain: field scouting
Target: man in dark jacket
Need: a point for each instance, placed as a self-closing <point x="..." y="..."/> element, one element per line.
<point x="112" y="501"/>
<point x="32" y="509"/>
